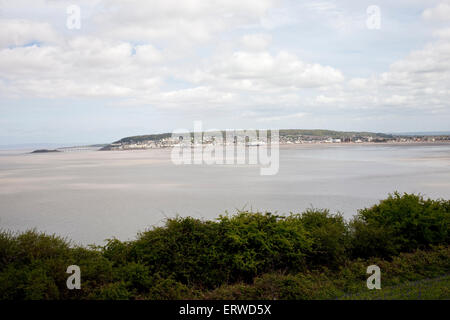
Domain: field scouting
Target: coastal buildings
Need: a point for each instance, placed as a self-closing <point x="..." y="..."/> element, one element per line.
<point x="285" y="139"/>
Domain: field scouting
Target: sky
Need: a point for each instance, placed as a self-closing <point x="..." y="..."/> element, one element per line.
<point x="94" y="71"/>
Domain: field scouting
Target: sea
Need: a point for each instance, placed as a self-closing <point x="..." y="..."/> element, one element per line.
<point x="89" y="196"/>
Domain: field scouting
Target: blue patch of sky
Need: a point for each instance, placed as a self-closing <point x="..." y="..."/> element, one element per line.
<point x="29" y="44"/>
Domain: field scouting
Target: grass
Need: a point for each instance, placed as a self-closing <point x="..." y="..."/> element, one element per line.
<point x="428" y="289"/>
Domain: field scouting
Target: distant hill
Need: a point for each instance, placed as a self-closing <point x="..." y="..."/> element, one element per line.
<point x="424" y="133"/>
<point x="283" y="133"/>
<point x="148" y="137"/>
<point x="331" y="133"/>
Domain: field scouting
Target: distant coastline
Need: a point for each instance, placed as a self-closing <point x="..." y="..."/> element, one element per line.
<point x="286" y="137"/>
<point x="44" y="151"/>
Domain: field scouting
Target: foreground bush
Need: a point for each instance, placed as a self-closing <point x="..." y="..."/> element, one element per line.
<point x="33" y="266"/>
<point x="401" y="223"/>
<point x="236" y="248"/>
<point x="347" y="282"/>
<point x="313" y="255"/>
<point x="329" y="236"/>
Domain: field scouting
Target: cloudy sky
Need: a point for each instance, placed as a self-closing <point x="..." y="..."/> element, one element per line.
<point x="137" y="67"/>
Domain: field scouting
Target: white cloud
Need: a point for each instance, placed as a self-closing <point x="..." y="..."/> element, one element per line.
<point x="439" y="13"/>
<point x="255" y="42"/>
<point x="147" y="54"/>
<point x="183" y="22"/>
<point x="442" y="33"/>
<point x="82" y="66"/>
<point x="213" y="55"/>
<point x="263" y="71"/>
<point x="283" y="117"/>
<point x="418" y="83"/>
<point x="19" y="32"/>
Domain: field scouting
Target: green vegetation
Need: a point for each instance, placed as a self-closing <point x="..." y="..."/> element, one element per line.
<point x="44" y="151"/>
<point x="421" y="270"/>
<point x="148" y="137"/>
<point x="313" y="255"/>
<point x="429" y="289"/>
<point x="331" y="133"/>
<point x="400" y="224"/>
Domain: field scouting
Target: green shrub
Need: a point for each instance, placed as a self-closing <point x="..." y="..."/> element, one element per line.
<point x="400" y="223"/>
<point x="169" y="289"/>
<point x="136" y="277"/>
<point x="314" y="255"/>
<point x="8" y="249"/>
<point x="329" y="238"/>
<point x="111" y="291"/>
<point x="207" y="253"/>
<point x="36" y="267"/>
<point x="116" y="251"/>
<point x="96" y="271"/>
<point x="33" y="265"/>
<point x="349" y="280"/>
<point x="257" y="243"/>
<point x="187" y="249"/>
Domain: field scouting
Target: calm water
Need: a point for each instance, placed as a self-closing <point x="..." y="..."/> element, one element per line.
<point x="91" y="196"/>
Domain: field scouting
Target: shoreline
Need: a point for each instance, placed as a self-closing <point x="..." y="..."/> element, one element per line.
<point x="301" y="145"/>
<point x="5" y="152"/>
<point x="424" y="143"/>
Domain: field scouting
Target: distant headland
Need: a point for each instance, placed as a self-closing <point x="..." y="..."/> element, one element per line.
<point x="44" y="151"/>
<point x="286" y="136"/>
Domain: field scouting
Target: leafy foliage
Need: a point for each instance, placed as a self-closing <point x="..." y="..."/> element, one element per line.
<point x="400" y="223"/>
<point x="313" y="255"/>
<point x="329" y="237"/>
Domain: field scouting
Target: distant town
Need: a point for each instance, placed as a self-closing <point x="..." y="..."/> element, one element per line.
<point x="286" y="137"/>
